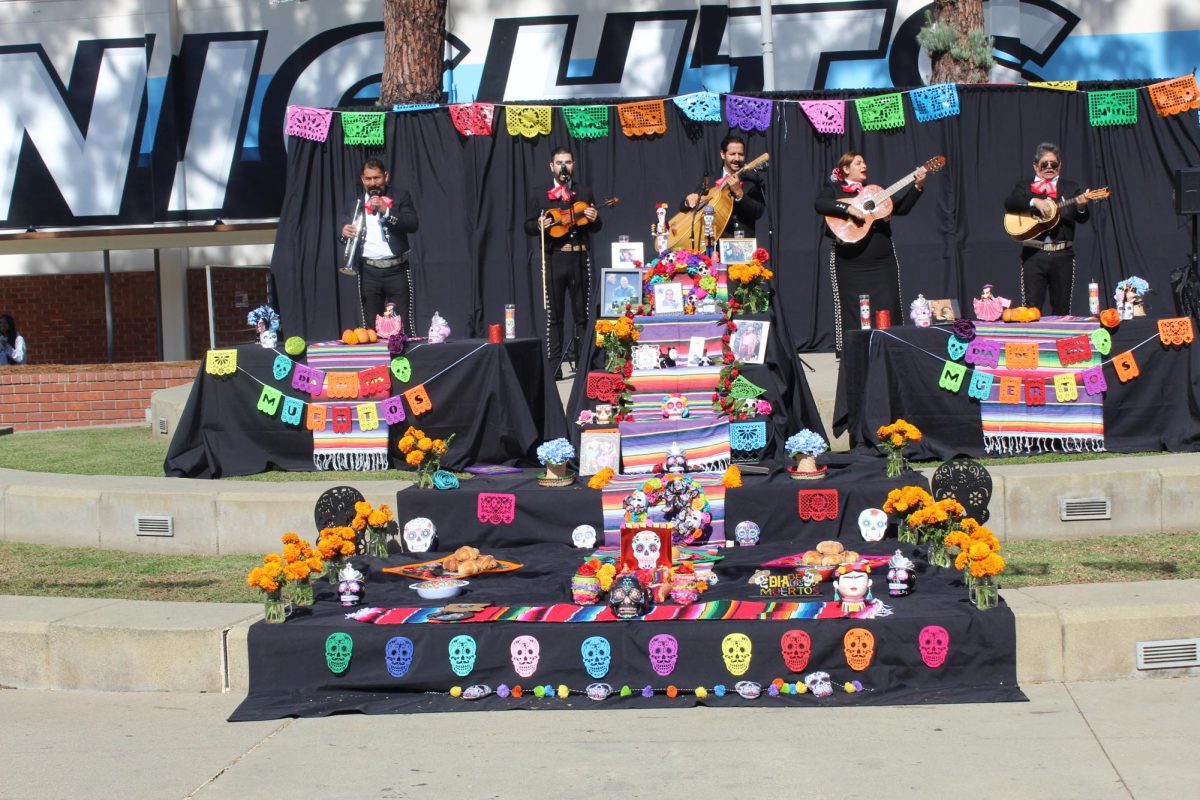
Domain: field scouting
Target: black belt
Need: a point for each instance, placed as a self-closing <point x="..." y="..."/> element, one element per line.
<point x="386" y="263"/>
<point x="572" y="248"/>
<point x="1049" y="247"/>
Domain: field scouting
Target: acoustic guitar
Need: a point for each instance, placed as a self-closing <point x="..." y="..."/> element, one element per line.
<point x="564" y="219"/>
<point x="875" y="203"/>
<point x="1026" y="225"/>
<point x="686" y="229"/>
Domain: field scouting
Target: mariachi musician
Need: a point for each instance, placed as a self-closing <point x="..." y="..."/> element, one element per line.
<point x="745" y="191"/>
<point x="562" y="218"/>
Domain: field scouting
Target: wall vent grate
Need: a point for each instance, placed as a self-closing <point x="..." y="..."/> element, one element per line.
<point x="1168" y="654"/>
<point x="149" y="525"/>
<point x="1071" y="509"/>
<point x="162" y="425"/>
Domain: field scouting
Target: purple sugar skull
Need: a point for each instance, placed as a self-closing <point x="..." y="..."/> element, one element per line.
<point x="664" y="651"/>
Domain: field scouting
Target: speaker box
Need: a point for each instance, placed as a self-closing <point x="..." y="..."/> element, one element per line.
<point x="1187" y="191"/>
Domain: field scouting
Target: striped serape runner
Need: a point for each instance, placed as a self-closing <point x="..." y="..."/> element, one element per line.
<point x="665" y="332"/>
<point x="704" y="440"/>
<point x="621" y="486"/>
<point x="747" y="610"/>
<point x="651" y="387"/>
<point x="357" y="449"/>
<point x="1072" y="426"/>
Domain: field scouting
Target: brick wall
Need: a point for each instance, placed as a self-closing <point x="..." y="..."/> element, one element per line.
<point x="231" y="309"/>
<point x="37" y="398"/>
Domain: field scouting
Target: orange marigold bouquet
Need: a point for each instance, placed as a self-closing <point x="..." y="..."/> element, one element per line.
<point x="980" y="561"/>
<point x="300" y="563"/>
<point x="335" y="545"/>
<point x="893" y="438"/>
<point x="424" y="453"/>
<point x="750" y="290"/>
<point x="376" y="525"/>
<point x="617" y="337"/>
<point x="293" y="567"/>
<point x="925" y="520"/>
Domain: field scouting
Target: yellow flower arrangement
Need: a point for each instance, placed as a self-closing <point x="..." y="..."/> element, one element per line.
<point x="900" y="501"/>
<point x="979" y="560"/>
<point x="377" y="523"/>
<point x="750" y="290"/>
<point x="893" y="439"/>
<point x="423" y="452"/>
<point x="601" y="478"/>
<point x="293" y="567"/>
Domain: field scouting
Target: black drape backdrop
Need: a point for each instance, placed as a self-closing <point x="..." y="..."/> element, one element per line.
<point x="471" y="255"/>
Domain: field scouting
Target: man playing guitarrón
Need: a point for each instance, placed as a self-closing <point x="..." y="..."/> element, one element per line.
<point x="747" y="191"/>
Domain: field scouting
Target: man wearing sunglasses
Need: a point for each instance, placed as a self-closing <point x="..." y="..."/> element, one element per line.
<point x="1048" y="263"/>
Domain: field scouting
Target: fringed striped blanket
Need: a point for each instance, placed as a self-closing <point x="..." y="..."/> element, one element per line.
<point x="704" y="440"/>
<point x="666" y="332"/>
<point x="620" y="486"/>
<point x="356" y="449"/>
<point x="652" y="386"/>
<point x="1070" y="426"/>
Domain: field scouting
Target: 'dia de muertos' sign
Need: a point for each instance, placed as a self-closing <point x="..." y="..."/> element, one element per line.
<point x="177" y="113"/>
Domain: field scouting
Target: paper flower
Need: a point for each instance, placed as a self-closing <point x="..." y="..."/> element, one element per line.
<point x="806" y="442"/>
<point x="1134" y="284"/>
<point x="269" y="317"/>
<point x="701" y="692"/>
<point x="647" y="691"/>
<point x="555" y="451"/>
<point x="586" y="417"/>
<point x="502" y="690"/>
<point x="964" y="329"/>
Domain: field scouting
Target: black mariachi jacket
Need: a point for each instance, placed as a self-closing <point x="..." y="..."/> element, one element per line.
<point x="1064" y="231"/>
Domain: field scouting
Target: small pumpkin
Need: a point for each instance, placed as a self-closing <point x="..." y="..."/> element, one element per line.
<point x="348" y="337"/>
<point x="1110" y="318"/>
<point x="372" y="336"/>
<point x="360" y="335"/>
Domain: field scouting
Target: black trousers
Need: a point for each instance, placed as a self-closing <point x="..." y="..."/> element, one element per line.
<point x="1052" y="274"/>
<point x="380" y="286"/>
<point x="566" y="281"/>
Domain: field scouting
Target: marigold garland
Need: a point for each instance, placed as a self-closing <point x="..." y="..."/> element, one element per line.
<point x="601" y="478"/>
<point x="732" y="479"/>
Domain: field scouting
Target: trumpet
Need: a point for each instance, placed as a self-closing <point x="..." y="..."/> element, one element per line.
<point x="351" y="252"/>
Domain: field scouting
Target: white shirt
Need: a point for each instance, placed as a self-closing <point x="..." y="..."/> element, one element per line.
<point x="13" y="352"/>
<point x="374" y="245"/>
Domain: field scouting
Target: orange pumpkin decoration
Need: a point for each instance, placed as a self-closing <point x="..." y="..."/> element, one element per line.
<point x="372" y="337"/>
<point x="1110" y="318"/>
<point x="348" y="337"/>
<point x="1021" y="314"/>
<point x="360" y="335"/>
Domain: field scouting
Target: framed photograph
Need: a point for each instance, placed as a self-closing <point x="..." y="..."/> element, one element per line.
<point x="599" y="448"/>
<point x="944" y="310"/>
<point x="738" y="251"/>
<point x="624" y="254"/>
<point x="618" y="287"/>
<point x="749" y="341"/>
<point x="668" y="298"/>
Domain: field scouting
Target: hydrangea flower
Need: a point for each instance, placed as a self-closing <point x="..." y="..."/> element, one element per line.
<point x="1133" y="283"/>
<point x="555" y="451"/>
<point x="806" y="442"/>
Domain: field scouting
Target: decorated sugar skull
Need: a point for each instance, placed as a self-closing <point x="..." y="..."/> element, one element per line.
<point x="676" y="460"/>
<point x="398" y="655"/>
<point x="901" y="575"/>
<point x="674" y="406"/>
<point x="526" y="651"/>
<point x="268" y="338"/>
<point x="796" y="646"/>
<point x="350" y="585"/>
<point x="627" y="598"/>
<point x="686" y="524"/>
<point x="934" y="644"/>
<point x="338" y="649"/>
<point x="872" y="524"/>
<point x="859" y="646"/>
<point x="597" y="655"/>
<point x="418" y="534"/>
<point x="646" y="548"/>
<point x="746" y="533"/>
<point x="462" y="655"/>
<point x="598" y="691"/>
<point x="439" y="330"/>
<point x="604" y="412"/>
<point x="748" y="689"/>
<point x="736" y="650"/>
<point x="635" y="504"/>
<point x="663" y="651"/>
<point x="584" y="536"/>
<point x="819" y="684"/>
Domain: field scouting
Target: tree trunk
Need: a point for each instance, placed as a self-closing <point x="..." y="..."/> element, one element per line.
<point x="962" y="16"/>
<point x="414" y="43"/>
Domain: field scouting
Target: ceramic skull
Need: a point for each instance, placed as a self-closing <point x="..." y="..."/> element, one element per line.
<point x="736" y="650"/>
<point x="338" y="649"/>
<point x="934" y="643"/>
<point x="746" y="533"/>
<point x="584" y="536"/>
<point x="526" y="652"/>
<point x="627" y="597"/>
<point x="796" y="646"/>
<point x="597" y="655"/>
<point x="676" y="459"/>
<point x="597" y="691"/>
<point x="398" y="654"/>
<point x="872" y="524"/>
<point x="418" y="534"/>
<point x="462" y="655"/>
<point x="646" y="547"/>
<point x="859" y="647"/>
<point x="664" y="651"/>
<point x="674" y="406"/>
<point x="635" y="505"/>
<point x="901" y="575"/>
<point x="268" y="338"/>
<point x="819" y="684"/>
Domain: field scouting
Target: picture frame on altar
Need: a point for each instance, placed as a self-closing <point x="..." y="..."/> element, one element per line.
<point x="634" y="535"/>
<point x="737" y="251"/>
<point x="599" y="448"/>
<point x="617" y="288"/>
<point x="668" y="298"/>
<point x="627" y="255"/>
<point x="943" y="310"/>
<point x="749" y="341"/>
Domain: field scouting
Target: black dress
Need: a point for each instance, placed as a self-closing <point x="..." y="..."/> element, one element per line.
<point x="866" y="267"/>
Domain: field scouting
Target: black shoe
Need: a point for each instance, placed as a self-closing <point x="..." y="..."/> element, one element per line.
<point x="558" y="374"/>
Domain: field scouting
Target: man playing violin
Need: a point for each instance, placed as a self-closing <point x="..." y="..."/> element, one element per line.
<point x="563" y="218"/>
<point x="747" y="191"/>
<point x="1048" y="263"/>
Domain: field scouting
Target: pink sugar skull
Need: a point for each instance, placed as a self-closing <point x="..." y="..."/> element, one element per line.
<point x="526" y="652"/>
<point x="934" y="643"/>
<point x="797" y="647"/>
<point x="664" y="651"/>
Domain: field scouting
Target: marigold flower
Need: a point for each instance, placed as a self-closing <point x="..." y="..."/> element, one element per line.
<point x="406" y="444"/>
<point x="290" y="538"/>
<point x="362" y="508"/>
<point x="425" y="444"/>
<point x="415" y="458"/>
<point x="377" y="519"/>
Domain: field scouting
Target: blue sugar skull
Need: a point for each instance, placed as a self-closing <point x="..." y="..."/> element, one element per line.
<point x="399" y="655"/>
<point x="597" y="655"/>
<point x="462" y="655"/>
<point x="747" y="533"/>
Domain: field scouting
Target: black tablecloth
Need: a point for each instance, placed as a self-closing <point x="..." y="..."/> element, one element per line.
<point x="499" y="401"/>
<point x="891" y="374"/>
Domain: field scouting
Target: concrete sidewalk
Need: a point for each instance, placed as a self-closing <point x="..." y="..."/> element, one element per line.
<point x="1126" y="739"/>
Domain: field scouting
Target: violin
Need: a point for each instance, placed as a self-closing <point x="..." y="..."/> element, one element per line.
<point x="564" y="219"/>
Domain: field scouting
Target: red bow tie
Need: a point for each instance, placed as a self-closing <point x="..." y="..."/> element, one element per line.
<point x="560" y="192"/>
<point x="853" y="186"/>
<point x="1044" y="187"/>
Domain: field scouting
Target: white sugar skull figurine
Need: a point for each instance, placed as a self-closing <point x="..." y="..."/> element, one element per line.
<point x="350" y="585"/>
<point x="901" y="575"/>
<point x="663" y="651"/>
<point x="418" y="536"/>
<point x="439" y="330"/>
<point x="646" y="547"/>
<point x="584" y="536"/>
<point x="674" y="406"/>
<point x="268" y="338"/>
<point x="604" y="412"/>
<point x="819" y="684"/>
<point x="526" y="652"/>
<point x="746" y="533"/>
<point x="934" y="644"/>
<point x="920" y="312"/>
<point x="872" y="524"/>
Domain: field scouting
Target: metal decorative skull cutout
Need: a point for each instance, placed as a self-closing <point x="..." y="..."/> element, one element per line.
<point x="584" y="536"/>
<point x="872" y="524"/>
<point x="747" y="533"/>
<point x="338" y="649"/>
<point x="462" y="655"/>
<point x="797" y="647"/>
<point x="597" y="655"/>
<point x="268" y="338"/>
<point x="398" y="654"/>
<point x="819" y="684"/>
<point x="735" y="649"/>
<point x="627" y="597"/>
<point x="664" y="651"/>
<point x="526" y="652"/>
<point x="934" y="643"/>
<point x="859" y="646"/>
<point x="646" y="547"/>
<point x="419" y="533"/>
